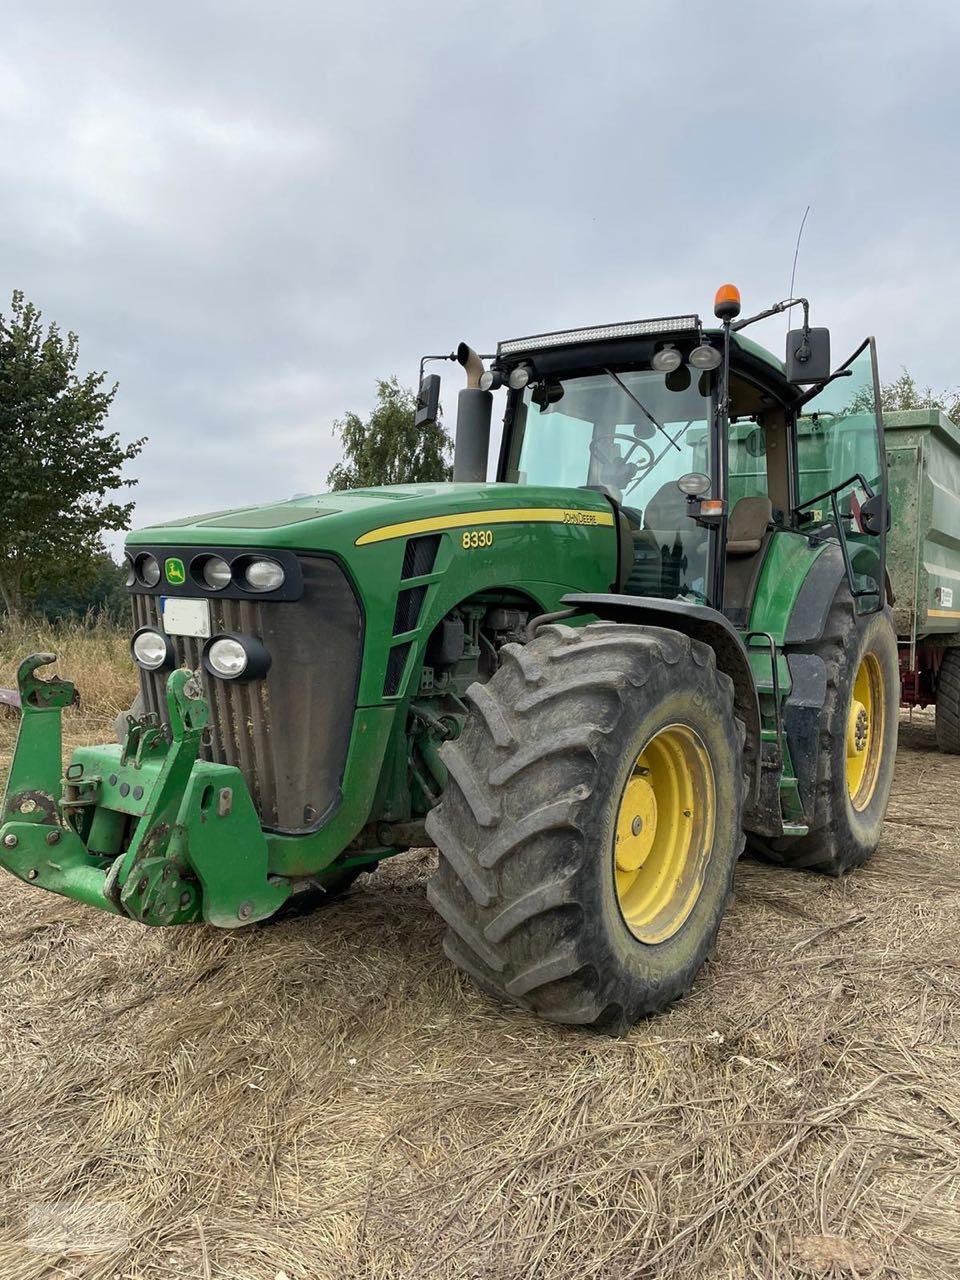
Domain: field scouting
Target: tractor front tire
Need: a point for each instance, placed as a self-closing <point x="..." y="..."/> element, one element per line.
<point x="591" y="823"/>
<point x="857" y="753"/>
<point x="947" y="717"/>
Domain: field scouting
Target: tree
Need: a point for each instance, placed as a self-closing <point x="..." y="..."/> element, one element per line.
<point x="99" y="593"/>
<point x="58" y="464"/>
<point x="903" y="393"/>
<point x="388" y="448"/>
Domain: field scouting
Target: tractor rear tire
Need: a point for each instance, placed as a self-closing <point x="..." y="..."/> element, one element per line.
<point x="851" y="797"/>
<point x="947" y="719"/>
<point x="598" y="779"/>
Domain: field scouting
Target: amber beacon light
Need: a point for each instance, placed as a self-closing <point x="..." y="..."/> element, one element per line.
<point x="726" y="304"/>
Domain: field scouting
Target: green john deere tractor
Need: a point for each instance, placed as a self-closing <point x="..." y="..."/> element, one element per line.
<point x="652" y="638"/>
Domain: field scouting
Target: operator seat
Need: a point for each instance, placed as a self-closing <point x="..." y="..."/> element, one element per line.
<point x="749" y="521"/>
<point x="748" y="531"/>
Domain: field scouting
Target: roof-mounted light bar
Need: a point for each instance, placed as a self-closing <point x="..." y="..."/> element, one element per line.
<point x="599" y="333"/>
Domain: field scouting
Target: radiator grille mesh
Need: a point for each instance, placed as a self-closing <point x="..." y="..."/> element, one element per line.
<point x="289" y="733"/>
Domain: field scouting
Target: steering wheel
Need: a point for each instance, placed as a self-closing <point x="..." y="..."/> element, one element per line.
<point x="636" y="443"/>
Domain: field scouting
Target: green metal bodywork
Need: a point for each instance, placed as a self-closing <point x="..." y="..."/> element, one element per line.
<point x="543" y="543"/>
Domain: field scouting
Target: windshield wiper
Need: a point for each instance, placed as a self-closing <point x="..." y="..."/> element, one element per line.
<point x="643" y="409"/>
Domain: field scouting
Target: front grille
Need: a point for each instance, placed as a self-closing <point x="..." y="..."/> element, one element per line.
<point x="406" y="615"/>
<point x="288" y="734"/>
<point x="419" y="556"/>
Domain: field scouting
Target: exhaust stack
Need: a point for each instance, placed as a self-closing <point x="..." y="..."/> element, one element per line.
<point x="474" y="411"/>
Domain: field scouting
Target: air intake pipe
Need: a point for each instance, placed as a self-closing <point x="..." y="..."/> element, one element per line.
<point x="474" y="411"/>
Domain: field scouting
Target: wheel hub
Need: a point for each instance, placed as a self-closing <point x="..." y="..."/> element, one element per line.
<point x="858" y="729"/>
<point x="664" y="832"/>
<point x="638" y="813"/>
<point x="864" y="745"/>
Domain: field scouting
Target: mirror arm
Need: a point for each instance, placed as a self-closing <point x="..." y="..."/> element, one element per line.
<point x="777" y="309"/>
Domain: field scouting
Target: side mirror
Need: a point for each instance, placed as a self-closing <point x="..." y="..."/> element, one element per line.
<point x="808" y="355"/>
<point x="428" y="400"/>
<point x="871" y="515"/>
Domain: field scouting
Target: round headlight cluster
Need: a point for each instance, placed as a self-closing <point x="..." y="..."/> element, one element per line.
<point x="151" y="649"/>
<point x="214" y="573"/>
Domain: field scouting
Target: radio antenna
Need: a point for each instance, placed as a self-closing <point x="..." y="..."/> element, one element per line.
<point x="796" y="255"/>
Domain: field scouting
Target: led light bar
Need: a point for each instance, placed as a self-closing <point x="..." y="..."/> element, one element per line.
<point x="598" y="333"/>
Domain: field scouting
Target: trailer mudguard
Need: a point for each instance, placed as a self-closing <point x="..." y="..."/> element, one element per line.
<point x="700" y="623"/>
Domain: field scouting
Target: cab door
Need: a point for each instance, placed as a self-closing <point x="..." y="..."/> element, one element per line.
<point x="841" y="472"/>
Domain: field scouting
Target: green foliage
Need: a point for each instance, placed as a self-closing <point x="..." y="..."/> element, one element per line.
<point x="98" y="591"/>
<point x="58" y="464"/>
<point x="388" y="448"/>
<point x="903" y="393"/>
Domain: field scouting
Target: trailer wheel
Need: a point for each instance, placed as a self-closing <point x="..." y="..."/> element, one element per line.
<point x="591" y="823"/>
<point x="947" y="720"/>
<point x="858" y="745"/>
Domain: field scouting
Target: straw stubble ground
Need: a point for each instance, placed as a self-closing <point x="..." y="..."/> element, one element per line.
<point x="325" y="1097"/>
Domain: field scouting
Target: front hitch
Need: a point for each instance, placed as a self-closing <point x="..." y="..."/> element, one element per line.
<point x="143" y="829"/>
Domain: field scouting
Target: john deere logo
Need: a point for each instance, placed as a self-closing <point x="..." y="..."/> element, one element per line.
<point x="176" y="574"/>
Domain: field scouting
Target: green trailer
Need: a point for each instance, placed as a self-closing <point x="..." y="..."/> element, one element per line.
<point x="923" y="561"/>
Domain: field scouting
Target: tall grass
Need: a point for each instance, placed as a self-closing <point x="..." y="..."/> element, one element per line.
<point x="91" y="651"/>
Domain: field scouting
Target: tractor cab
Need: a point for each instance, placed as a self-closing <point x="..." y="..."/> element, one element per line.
<point x="705" y="444"/>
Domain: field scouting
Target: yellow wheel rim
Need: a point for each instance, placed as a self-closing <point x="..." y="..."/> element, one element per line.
<point x="865" y="731"/>
<point x="664" y="833"/>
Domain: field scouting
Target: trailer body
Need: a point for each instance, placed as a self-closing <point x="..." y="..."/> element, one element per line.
<point x="923" y="545"/>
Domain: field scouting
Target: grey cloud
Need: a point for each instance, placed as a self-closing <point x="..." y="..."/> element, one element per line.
<point x="250" y="212"/>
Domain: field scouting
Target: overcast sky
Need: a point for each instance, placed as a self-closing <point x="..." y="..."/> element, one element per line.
<point x="249" y="212"/>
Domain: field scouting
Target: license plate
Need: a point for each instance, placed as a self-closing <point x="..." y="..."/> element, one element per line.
<point x="185" y="617"/>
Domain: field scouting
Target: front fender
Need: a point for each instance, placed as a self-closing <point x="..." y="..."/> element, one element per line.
<point x="710" y="627"/>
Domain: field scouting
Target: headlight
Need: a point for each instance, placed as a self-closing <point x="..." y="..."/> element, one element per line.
<point x="215" y="572"/>
<point x="705" y="357"/>
<point x="147" y="569"/>
<point x="227" y="657"/>
<point x="151" y="649"/>
<point x="131" y="574"/>
<point x="519" y="376"/>
<point x="235" y="657"/>
<point x="263" y="575"/>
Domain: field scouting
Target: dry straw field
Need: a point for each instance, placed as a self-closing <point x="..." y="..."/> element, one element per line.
<point x="325" y="1097"/>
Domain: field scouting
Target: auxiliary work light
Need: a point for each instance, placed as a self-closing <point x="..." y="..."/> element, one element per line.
<point x="235" y="657"/>
<point x="151" y="649"/>
<point x="705" y="356"/>
<point x="666" y="359"/>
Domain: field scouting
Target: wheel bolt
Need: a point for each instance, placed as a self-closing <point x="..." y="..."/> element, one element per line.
<point x="10" y="841"/>
<point x="637" y="825"/>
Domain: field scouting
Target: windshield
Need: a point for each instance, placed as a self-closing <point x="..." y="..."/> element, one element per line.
<point x="635" y="433"/>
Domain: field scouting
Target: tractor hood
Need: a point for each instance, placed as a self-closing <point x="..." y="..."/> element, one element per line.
<point x="360" y="517"/>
